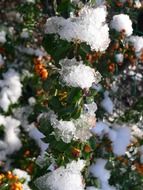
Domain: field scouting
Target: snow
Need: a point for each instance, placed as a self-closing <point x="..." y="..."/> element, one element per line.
<point x="122" y="22"/>
<point x="107" y="103"/>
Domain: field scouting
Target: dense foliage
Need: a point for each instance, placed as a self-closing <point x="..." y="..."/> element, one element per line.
<point x="71" y="95"/>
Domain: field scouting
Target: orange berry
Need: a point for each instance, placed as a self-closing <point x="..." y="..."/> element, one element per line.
<point x="16" y="186"/>
<point x="87" y="148"/>
<point x="26" y="153"/>
<point x="2" y="176"/>
<point x="15" y="177"/>
<point x="89" y="57"/>
<point x="44" y="74"/>
<point x="9" y="175"/>
<point x="111" y="67"/>
<point x="75" y="152"/>
<point x="38" y="67"/>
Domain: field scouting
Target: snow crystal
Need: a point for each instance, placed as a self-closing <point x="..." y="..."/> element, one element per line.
<point x="12" y="131"/>
<point x="76" y="74"/>
<point x="106" y="186"/>
<point x="11" y="89"/>
<point x="63" y="178"/>
<point x="122" y="22"/>
<point x="64" y="130"/>
<point x="2" y="37"/>
<point x="100" y="129"/>
<point x="77" y="129"/>
<point x="12" y="144"/>
<point x="138" y="4"/>
<point x="119" y="57"/>
<point x="32" y="101"/>
<point x="83" y="125"/>
<point x="35" y="134"/>
<point x="91" y="108"/>
<point x="22" y="114"/>
<point x="89" y="27"/>
<point x="98" y="170"/>
<point x="120" y="138"/>
<point x="137" y="42"/>
<point x="107" y="103"/>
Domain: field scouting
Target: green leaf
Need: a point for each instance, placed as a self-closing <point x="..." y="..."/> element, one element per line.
<point x="56" y="47"/>
<point x="55" y="104"/>
<point x="45" y="126"/>
<point x="75" y="95"/>
<point x="64" y="8"/>
<point x="66" y="112"/>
